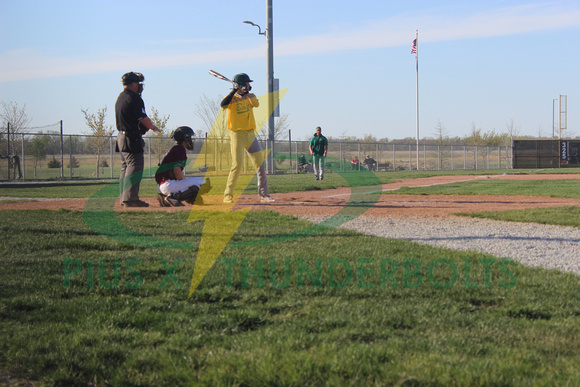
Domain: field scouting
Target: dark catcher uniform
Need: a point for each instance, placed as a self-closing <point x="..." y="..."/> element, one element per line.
<point x="174" y="187"/>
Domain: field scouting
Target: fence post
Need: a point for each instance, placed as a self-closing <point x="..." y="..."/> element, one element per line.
<point x="359" y="159"/>
<point x="8" y="149"/>
<point x="394" y="159"/>
<point x="487" y="158"/>
<point x="70" y="152"/>
<point x="23" y="158"/>
<point x="290" y="148"/>
<point x="205" y="145"/>
<point x="476" y="156"/>
<point x="341" y="165"/>
<point x="297" y="159"/>
<point x="410" y="157"/>
<point x="452" y="163"/>
<point x="464" y="157"/>
<point x="61" y="152"/>
<point x="111" y="154"/>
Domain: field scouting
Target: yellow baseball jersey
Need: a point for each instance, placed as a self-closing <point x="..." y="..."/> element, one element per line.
<point x="241" y="115"/>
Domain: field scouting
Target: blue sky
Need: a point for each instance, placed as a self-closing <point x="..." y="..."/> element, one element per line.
<point x="347" y="64"/>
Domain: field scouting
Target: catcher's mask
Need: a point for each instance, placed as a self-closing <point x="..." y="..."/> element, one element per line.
<point x="184" y="133"/>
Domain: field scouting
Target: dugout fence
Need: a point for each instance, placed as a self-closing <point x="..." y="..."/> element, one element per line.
<point x="563" y="153"/>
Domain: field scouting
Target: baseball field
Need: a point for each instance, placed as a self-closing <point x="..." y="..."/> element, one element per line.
<point x="388" y="278"/>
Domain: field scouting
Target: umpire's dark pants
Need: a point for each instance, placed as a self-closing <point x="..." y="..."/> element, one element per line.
<point x="131" y="174"/>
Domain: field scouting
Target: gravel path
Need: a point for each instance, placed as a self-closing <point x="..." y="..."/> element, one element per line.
<point x="552" y="247"/>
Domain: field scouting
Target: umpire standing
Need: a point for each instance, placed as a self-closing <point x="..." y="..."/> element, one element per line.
<point x="132" y="124"/>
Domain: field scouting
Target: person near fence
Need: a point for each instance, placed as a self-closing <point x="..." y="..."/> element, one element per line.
<point x="240" y="104"/>
<point x="132" y="123"/>
<point x="174" y="188"/>
<point x="318" y="149"/>
<point x="370" y="163"/>
<point x="354" y="163"/>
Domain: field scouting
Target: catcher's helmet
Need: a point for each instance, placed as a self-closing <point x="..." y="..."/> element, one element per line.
<point x="131" y="77"/>
<point x="242" y="78"/>
<point x="184" y="133"/>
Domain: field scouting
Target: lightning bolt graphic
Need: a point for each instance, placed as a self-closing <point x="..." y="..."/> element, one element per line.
<point x="220" y="226"/>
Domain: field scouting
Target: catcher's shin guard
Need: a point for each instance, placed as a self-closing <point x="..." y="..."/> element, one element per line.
<point x="188" y="196"/>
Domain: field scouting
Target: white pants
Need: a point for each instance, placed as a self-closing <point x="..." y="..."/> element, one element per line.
<point x="172" y="186"/>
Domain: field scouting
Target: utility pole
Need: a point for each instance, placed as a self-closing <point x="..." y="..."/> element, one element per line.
<point x="270" y="80"/>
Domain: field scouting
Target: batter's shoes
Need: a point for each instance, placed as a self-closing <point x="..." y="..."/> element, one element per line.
<point x="267" y="199"/>
<point x="228" y="199"/>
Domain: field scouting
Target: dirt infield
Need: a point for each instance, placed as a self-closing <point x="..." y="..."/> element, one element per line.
<point x="329" y="202"/>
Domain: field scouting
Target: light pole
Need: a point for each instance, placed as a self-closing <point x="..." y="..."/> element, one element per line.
<point x="269" y="80"/>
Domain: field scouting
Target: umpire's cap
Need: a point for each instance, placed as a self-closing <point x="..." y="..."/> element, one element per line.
<point x="131" y="77"/>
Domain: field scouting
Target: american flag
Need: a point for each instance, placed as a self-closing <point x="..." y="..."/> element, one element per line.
<point x="414" y="47"/>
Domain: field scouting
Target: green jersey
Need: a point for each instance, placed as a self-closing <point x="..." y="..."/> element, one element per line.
<point x="318" y="144"/>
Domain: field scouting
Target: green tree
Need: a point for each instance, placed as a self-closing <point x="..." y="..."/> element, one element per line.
<point x="99" y="132"/>
<point x="37" y="149"/>
<point x="490" y="138"/>
<point x="160" y="141"/>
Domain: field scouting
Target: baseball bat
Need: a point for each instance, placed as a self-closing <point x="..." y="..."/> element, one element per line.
<point x="218" y="75"/>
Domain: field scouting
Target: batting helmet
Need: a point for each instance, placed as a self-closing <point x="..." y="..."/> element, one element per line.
<point x="242" y="78"/>
<point x="131" y="77"/>
<point x="184" y="133"/>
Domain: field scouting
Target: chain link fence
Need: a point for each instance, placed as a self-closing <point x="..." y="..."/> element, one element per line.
<point x="30" y="156"/>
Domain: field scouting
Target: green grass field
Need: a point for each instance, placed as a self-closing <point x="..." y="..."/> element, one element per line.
<point x="331" y="308"/>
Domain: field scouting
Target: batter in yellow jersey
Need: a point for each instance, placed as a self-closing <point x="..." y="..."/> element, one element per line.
<point x="240" y="104"/>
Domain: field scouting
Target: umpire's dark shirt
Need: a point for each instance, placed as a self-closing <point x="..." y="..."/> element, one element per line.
<point x="129" y="110"/>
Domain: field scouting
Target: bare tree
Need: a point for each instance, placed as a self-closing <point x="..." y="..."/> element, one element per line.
<point x="14" y="120"/>
<point x="160" y="141"/>
<point x="100" y="132"/>
<point x="280" y="129"/>
<point x="441" y="132"/>
<point x="215" y="123"/>
<point x="440" y="137"/>
<point x="512" y="130"/>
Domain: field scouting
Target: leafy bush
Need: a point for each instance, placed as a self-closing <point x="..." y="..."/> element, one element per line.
<point x="73" y="162"/>
<point x="54" y="163"/>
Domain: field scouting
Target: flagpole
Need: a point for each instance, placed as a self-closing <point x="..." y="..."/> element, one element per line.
<point x="417" y="89"/>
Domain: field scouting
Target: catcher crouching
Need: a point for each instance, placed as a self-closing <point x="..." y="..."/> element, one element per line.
<point x="174" y="188"/>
